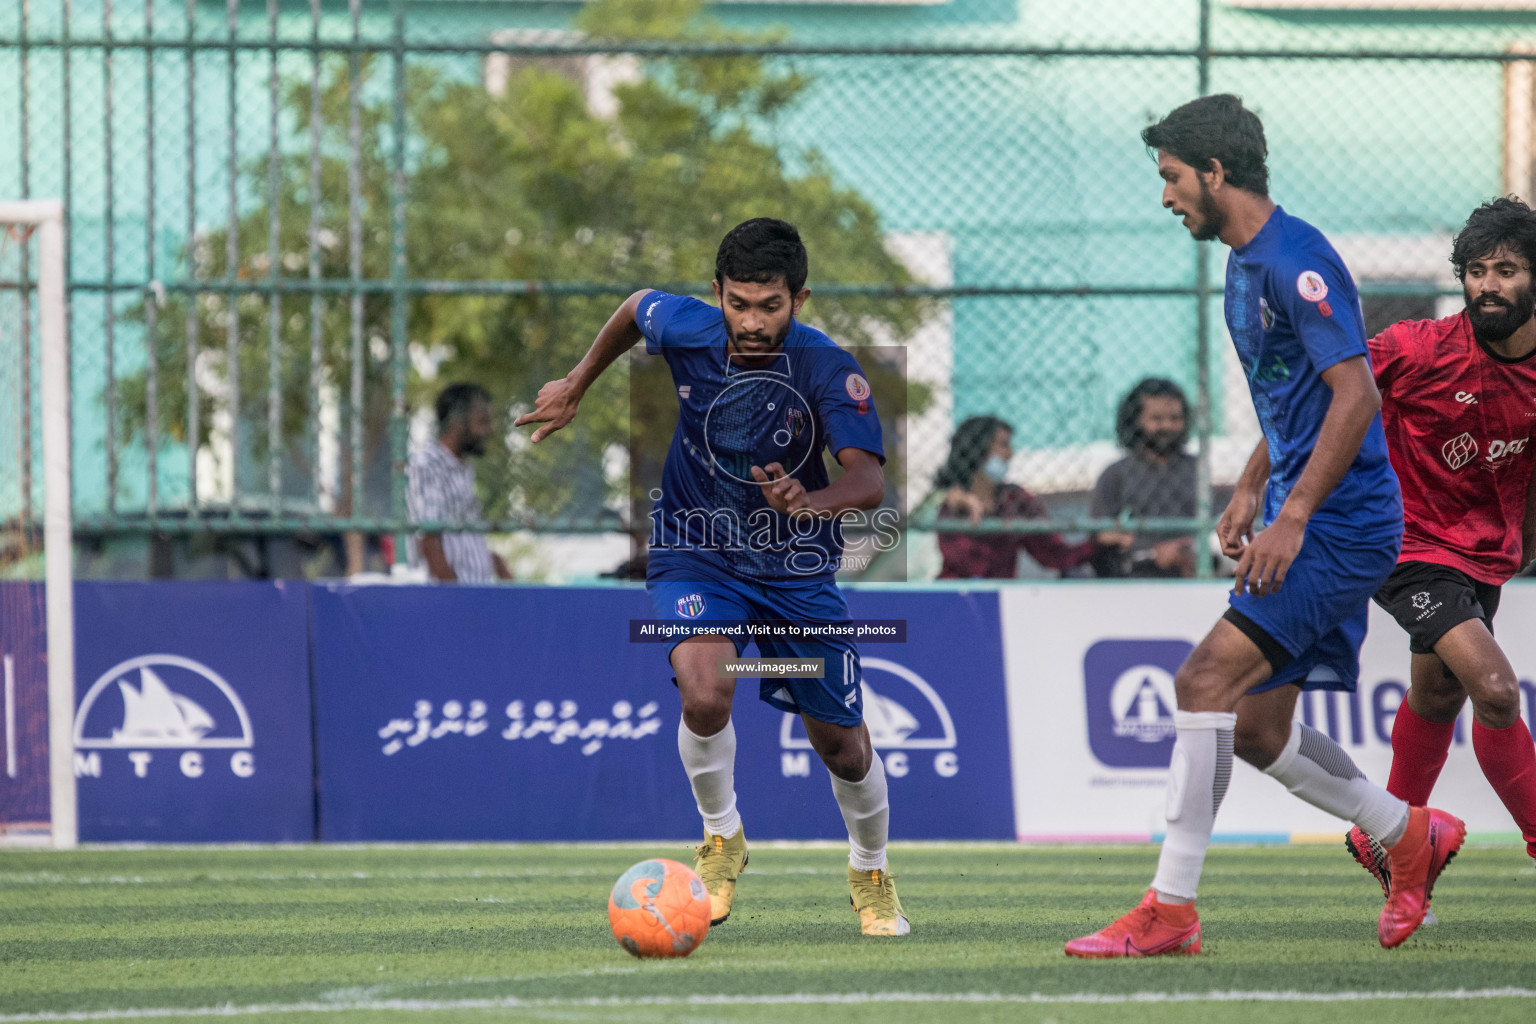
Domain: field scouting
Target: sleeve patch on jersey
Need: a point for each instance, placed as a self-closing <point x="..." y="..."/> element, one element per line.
<point x="650" y="309"/>
<point x="1324" y="308"/>
<point x="1311" y="286"/>
<point x="858" y="387"/>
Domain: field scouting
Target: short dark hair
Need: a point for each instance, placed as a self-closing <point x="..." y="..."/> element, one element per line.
<point x="457" y="399"/>
<point x="763" y="250"/>
<point x="1216" y="128"/>
<point x="1497" y="224"/>
<point x="1127" y="429"/>
<point x="968" y="450"/>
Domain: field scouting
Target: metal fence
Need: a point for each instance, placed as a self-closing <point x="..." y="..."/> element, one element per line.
<point x="290" y="225"/>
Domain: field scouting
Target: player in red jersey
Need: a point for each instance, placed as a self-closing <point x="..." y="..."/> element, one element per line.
<point x="1459" y="408"/>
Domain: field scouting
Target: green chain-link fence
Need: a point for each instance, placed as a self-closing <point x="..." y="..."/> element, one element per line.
<point x="291" y="223"/>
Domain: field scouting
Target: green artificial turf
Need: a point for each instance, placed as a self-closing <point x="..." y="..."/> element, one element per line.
<point x="486" y="933"/>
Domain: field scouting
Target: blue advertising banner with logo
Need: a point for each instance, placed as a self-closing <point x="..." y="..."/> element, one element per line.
<point x="527" y="713"/>
<point x="192" y="720"/>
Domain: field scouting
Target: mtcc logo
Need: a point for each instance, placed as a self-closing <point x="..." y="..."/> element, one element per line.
<point x="904" y="714"/>
<point x="1129" y="689"/>
<point x="163" y="705"/>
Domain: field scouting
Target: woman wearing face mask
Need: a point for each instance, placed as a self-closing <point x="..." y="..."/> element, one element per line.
<point x="972" y="479"/>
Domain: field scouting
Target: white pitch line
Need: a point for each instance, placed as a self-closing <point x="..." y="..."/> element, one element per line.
<point x="804" y="998"/>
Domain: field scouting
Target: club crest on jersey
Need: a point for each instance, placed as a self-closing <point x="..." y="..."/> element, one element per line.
<point x="1311" y="286"/>
<point x="794" y="421"/>
<point x="690" y="606"/>
<point x="1459" y="450"/>
<point x="858" y="387"/>
<point x="1266" y="315"/>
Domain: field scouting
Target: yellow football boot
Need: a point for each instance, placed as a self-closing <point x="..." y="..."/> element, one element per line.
<point x="718" y="862"/>
<point x="873" y="895"/>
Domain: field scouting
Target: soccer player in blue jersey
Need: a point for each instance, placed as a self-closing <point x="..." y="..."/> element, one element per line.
<point x="1332" y="517"/>
<point x="747" y="528"/>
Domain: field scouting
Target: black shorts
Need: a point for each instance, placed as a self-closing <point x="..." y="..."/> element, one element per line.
<point x="1430" y="600"/>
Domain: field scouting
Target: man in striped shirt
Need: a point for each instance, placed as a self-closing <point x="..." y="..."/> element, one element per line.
<point x="440" y="487"/>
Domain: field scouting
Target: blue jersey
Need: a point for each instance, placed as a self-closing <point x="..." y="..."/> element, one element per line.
<point x="812" y="396"/>
<point x="1293" y="312"/>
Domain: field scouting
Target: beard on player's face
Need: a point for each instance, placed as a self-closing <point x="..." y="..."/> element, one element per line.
<point x="1209" y="219"/>
<point x="757" y="344"/>
<point x="1496" y="317"/>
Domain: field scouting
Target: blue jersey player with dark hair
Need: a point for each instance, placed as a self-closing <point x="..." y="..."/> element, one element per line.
<point x="1332" y="517"/>
<point x="746" y="529"/>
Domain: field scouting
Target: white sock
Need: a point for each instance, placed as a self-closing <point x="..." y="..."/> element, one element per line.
<point x="1197" y="780"/>
<point x="1319" y="771"/>
<point x="710" y="762"/>
<point x="866" y="811"/>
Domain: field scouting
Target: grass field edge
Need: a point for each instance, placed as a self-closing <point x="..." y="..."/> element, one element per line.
<point x="786" y="999"/>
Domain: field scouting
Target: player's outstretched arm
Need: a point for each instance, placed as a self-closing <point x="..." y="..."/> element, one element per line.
<point x="861" y="487"/>
<point x="558" y="400"/>
<point x="1354" y="404"/>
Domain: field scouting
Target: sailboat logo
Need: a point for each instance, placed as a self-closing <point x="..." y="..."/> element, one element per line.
<point x="902" y="710"/>
<point x="162" y="700"/>
<point x="889" y="723"/>
<point x="152" y="713"/>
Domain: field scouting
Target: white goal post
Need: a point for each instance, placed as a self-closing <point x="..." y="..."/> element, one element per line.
<point x="46" y="216"/>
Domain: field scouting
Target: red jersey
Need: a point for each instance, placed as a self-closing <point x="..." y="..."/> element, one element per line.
<point x="1459" y="421"/>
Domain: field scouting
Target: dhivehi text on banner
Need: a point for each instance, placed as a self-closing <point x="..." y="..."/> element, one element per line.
<point x="529" y="714"/>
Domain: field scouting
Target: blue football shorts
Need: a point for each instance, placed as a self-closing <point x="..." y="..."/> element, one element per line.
<point x="1311" y="629"/>
<point x="701" y="592"/>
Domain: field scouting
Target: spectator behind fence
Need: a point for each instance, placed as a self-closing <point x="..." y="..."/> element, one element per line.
<point x="440" y="487"/>
<point x="1156" y="479"/>
<point x="974" y="489"/>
